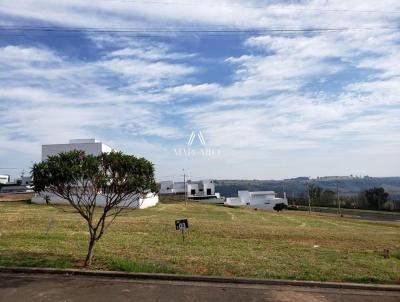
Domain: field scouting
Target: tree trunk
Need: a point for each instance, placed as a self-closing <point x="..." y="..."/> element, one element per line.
<point x="89" y="256"/>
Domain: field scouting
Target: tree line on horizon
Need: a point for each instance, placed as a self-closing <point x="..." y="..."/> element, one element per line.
<point x="375" y="198"/>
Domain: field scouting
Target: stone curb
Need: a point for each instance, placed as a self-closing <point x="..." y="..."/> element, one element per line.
<point x="191" y="278"/>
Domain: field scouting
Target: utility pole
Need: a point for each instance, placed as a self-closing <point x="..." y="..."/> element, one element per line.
<point x="337" y="197"/>
<point x="184" y="186"/>
<point x="309" y="199"/>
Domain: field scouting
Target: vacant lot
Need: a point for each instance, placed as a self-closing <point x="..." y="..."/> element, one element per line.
<point x="220" y="241"/>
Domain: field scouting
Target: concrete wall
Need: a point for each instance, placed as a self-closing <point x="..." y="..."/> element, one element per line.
<point x="179" y="187"/>
<point x="150" y="201"/>
<point x="4" y="179"/>
<point x="167" y="187"/>
<point x="244" y="197"/>
<point x="233" y="201"/>
<point x="266" y="203"/>
<point x="261" y="200"/>
<point x="192" y="186"/>
<point x="90" y="146"/>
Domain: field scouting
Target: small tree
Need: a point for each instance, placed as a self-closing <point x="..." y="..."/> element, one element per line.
<point x="315" y="193"/>
<point x="376" y="197"/>
<point x="119" y="179"/>
<point x="280" y="206"/>
<point x="328" y="198"/>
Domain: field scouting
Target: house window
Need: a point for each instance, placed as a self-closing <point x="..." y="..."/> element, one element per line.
<point x="208" y="191"/>
<point x="192" y="191"/>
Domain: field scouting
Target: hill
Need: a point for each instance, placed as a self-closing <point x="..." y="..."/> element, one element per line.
<point x="348" y="186"/>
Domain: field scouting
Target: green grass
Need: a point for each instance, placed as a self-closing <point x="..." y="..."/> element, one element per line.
<point x="221" y="241"/>
<point x="354" y="210"/>
<point x="128" y="265"/>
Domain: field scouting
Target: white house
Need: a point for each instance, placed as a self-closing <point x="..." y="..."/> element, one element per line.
<point x="194" y="189"/>
<point x="93" y="147"/>
<point x="90" y="146"/>
<point x="258" y="199"/>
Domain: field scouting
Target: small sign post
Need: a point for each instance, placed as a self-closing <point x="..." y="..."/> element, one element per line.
<point x="182" y="224"/>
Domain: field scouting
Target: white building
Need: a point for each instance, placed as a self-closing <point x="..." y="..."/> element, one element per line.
<point x="93" y="147"/>
<point x="90" y="146"/>
<point x="21" y="185"/>
<point x="259" y="199"/>
<point x="194" y="189"/>
<point x="4" y="179"/>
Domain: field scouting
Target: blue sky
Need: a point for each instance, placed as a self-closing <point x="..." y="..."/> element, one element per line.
<point x="269" y="105"/>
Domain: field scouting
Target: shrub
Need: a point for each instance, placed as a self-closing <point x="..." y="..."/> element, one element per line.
<point x="280" y="206"/>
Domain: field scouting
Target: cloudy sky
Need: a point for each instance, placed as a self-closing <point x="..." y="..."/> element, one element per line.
<point x="142" y="75"/>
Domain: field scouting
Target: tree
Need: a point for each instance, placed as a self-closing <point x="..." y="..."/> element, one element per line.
<point x="328" y="198"/>
<point x="280" y="206"/>
<point x="119" y="179"/>
<point x="376" y="197"/>
<point x="315" y="193"/>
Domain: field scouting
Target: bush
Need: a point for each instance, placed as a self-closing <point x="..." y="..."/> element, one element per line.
<point x="280" y="206"/>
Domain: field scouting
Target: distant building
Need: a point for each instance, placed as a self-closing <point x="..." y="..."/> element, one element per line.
<point x="301" y="178"/>
<point x="331" y="178"/>
<point x="4" y="179"/>
<point x="22" y="185"/>
<point x="258" y="199"/>
<point x="90" y="146"/>
<point x="194" y="189"/>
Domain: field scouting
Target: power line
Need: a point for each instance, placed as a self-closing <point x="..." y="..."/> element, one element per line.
<point x="148" y="31"/>
<point x="258" y="6"/>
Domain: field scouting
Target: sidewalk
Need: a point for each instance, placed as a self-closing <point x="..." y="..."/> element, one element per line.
<point x="39" y="285"/>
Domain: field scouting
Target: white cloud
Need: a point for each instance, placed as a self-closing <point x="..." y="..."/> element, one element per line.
<point x="326" y="95"/>
<point x="17" y="54"/>
<point x="153" y="53"/>
<point x="146" y="70"/>
<point x="222" y="13"/>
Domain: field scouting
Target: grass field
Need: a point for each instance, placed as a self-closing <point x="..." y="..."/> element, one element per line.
<point x="221" y="241"/>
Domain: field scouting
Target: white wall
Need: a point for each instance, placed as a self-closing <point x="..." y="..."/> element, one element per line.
<point x="262" y="200"/>
<point x="179" y="187"/>
<point x="266" y="203"/>
<point x="233" y="201"/>
<point x="192" y="186"/>
<point x="244" y="196"/>
<point x="167" y="187"/>
<point x="150" y="201"/>
<point x="90" y="146"/>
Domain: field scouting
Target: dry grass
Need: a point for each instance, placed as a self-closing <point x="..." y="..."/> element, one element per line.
<point x="220" y="241"/>
<point x="15" y="197"/>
